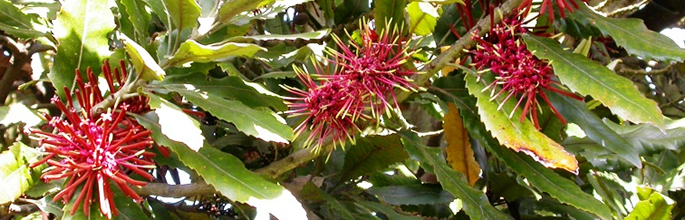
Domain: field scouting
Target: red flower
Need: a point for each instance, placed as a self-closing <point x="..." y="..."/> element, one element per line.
<point x="516" y="69"/>
<point x="90" y="149"/>
<point x="547" y="7"/>
<point x="331" y="109"/>
<point x="377" y="66"/>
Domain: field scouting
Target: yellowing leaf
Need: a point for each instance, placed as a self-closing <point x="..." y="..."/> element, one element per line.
<point x="459" y="152"/>
<point x="146" y="66"/>
<point x="517" y="135"/>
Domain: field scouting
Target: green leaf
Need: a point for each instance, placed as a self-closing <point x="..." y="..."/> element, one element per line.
<point x="422" y="17"/>
<point x="588" y="77"/>
<point x="647" y="139"/>
<point x="282" y="55"/>
<point x="146" y="66"/>
<point x="576" y="112"/>
<point x="175" y="124"/>
<point x="653" y="206"/>
<point x="315" y="35"/>
<point x="15" y="22"/>
<point x="387" y="210"/>
<point x="633" y="35"/>
<point x="258" y="122"/>
<point x="389" y="11"/>
<point x="416" y="194"/>
<point x="15" y="175"/>
<point x="192" y="51"/>
<point x="82" y="28"/>
<point x="18" y="112"/>
<point x="183" y="13"/>
<point x="127" y="208"/>
<point x="517" y="135"/>
<point x="475" y="203"/>
<point x="229" y="176"/>
<point x="311" y="190"/>
<point x="540" y="177"/>
<point x="229" y="11"/>
<point x="139" y="17"/>
<point x="372" y="153"/>
<point x="230" y="87"/>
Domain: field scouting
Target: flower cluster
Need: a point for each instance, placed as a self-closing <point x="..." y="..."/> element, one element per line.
<point x="363" y="81"/>
<point x="94" y="149"/>
<point x="517" y="70"/>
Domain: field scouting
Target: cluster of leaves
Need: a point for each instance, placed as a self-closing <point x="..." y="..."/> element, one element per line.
<point x="214" y="73"/>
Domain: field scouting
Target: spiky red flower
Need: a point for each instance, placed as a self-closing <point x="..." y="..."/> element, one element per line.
<point x="94" y="149"/>
<point x="331" y="108"/>
<point x="365" y="76"/>
<point x="517" y="70"/>
<point x="377" y="65"/>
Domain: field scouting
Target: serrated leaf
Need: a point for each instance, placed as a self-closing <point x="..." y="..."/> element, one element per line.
<point x="422" y="17"/>
<point x="540" y="177"/>
<point x="517" y="135"/>
<point x="576" y="112"/>
<point x="633" y="35"/>
<point x="15" y="22"/>
<point x="175" y="124"/>
<point x="18" y="112"/>
<point x="282" y="56"/>
<point x="192" y="51"/>
<point x="81" y="28"/>
<point x="228" y="175"/>
<point x="416" y="194"/>
<point x="646" y="139"/>
<point x="315" y="35"/>
<point x="258" y="122"/>
<point x="387" y="210"/>
<point x="230" y="87"/>
<point x="183" y="13"/>
<point x="475" y="203"/>
<point x="458" y="151"/>
<point x="138" y="16"/>
<point x="389" y="11"/>
<point x="229" y="10"/>
<point x="588" y="77"/>
<point x="372" y="153"/>
<point x="653" y="206"/>
<point x="15" y="175"/>
<point x="146" y="66"/>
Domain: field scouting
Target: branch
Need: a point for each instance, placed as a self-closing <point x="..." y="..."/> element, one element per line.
<point x="166" y="190"/>
<point x="464" y="43"/>
<point x="20" y="56"/>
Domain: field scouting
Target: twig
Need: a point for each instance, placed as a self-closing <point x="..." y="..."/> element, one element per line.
<point x="166" y="190"/>
<point x="20" y="56"/>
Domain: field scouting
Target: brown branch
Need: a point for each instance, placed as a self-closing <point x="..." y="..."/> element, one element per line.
<point x="20" y="56"/>
<point x="166" y="190"/>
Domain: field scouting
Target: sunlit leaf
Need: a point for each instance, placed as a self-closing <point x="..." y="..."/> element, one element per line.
<point x="230" y="87"/>
<point x="15" y="22"/>
<point x="18" y="112"/>
<point x="517" y="135"/>
<point x="81" y="28"/>
<point x="314" y="35"/>
<point x="588" y="77"/>
<point x="633" y="35"/>
<point x="228" y="175"/>
<point x="143" y="63"/>
<point x="138" y="16"/>
<point x="653" y="206"/>
<point x="422" y="17"/>
<point x="175" y="124"/>
<point x="458" y="151"/>
<point x="192" y="51"/>
<point x="183" y="13"/>
<point x="258" y="122"/>
<point x="475" y="203"/>
<point x="15" y="175"/>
